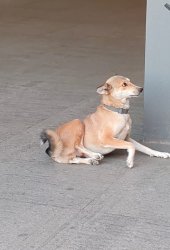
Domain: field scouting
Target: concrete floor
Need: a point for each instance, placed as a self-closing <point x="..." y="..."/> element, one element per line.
<point x="53" y="55"/>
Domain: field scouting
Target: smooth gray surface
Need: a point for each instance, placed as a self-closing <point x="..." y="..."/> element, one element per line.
<point x="53" y="55"/>
<point x="157" y="77"/>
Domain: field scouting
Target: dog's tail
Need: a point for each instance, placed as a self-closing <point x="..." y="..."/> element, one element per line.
<point x="55" y="143"/>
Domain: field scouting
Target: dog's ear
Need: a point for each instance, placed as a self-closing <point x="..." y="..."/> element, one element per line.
<point x="104" y="89"/>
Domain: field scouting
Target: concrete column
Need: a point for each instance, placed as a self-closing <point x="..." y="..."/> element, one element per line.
<point x="157" y="72"/>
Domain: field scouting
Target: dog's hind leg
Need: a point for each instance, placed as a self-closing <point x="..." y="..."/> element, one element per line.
<point x="148" y="151"/>
<point x="89" y="153"/>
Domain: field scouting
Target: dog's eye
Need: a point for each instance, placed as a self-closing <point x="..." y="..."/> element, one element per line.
<point x="124" y="84"/>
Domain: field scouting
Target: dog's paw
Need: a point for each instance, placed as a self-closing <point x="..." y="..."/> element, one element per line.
<point x="129" y="163"/>
<point x="161" y="155"/>
<point x="98" y="156"/>
<point x="93" y="162"/>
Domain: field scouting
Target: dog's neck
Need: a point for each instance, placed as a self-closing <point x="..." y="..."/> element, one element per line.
<point x="117" y="110"/>
<point x="110" y="101"/>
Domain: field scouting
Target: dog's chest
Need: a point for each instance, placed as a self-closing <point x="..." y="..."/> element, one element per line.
<point x="122" y="128"/>
<point x="117" y="126"/>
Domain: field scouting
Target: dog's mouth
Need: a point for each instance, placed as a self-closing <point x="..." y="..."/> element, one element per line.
<point x="135" y="95"/>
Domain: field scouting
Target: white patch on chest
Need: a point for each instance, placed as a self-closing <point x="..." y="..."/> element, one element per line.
<point x="123" y="127"/>
<point x="123" y="134"/>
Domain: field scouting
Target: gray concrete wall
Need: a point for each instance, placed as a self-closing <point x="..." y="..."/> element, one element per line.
<point x="157" y="72"/>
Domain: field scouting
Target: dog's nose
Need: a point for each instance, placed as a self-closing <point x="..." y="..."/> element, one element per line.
<point x="140" y="90"/>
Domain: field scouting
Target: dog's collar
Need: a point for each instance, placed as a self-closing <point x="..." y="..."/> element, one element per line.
<point x="117" y="110"/>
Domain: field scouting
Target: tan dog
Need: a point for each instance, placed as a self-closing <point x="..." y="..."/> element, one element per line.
<point x="101" y="132"/>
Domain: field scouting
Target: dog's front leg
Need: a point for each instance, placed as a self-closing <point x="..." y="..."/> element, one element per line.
<point x="147" y="150"/>
<point x="120" y="144"/>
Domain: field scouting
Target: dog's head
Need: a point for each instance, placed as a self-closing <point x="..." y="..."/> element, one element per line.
<point x="119" y="87"/>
